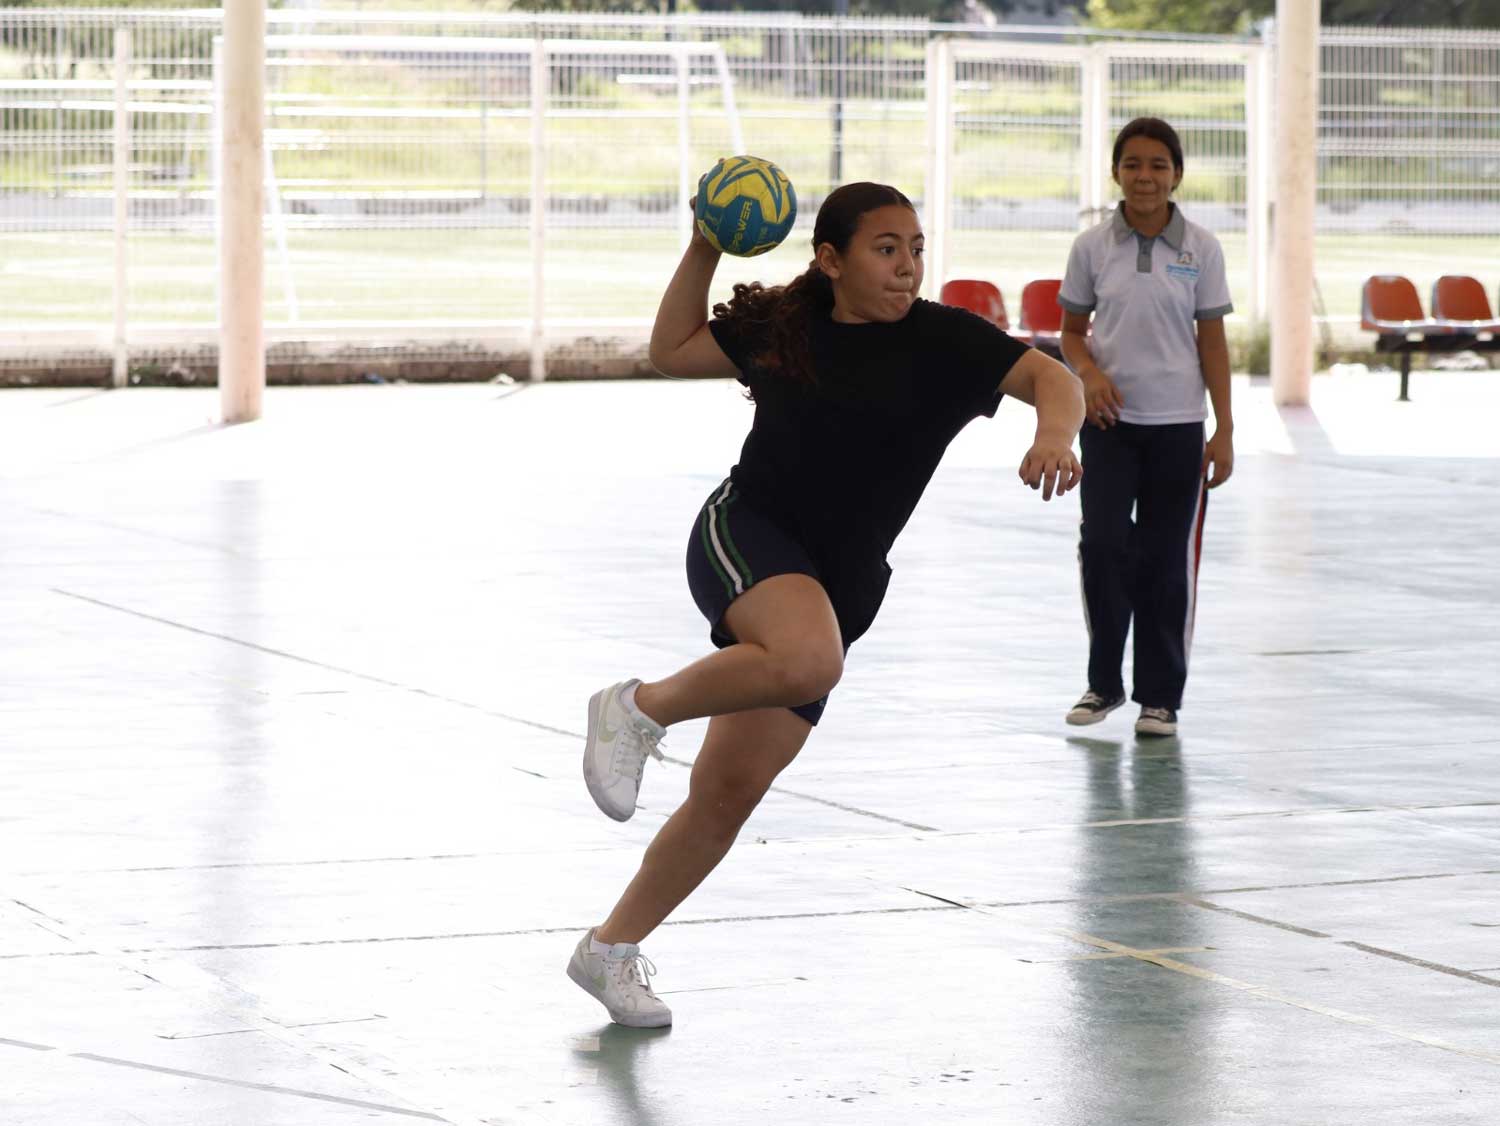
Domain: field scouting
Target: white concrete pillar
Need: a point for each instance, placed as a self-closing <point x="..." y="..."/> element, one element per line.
<point x="1296" y="188"/>
<point x="242" y="341"/>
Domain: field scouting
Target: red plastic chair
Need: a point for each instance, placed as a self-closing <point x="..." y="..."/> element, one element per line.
<point x="1460" y="303"/>
<point x="980" y="297"/>
<point x="1041" y="315"/>
<point x="1391" y="307"/>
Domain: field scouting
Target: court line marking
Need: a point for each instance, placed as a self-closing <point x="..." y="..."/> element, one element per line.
<point x="1269" y="994"/>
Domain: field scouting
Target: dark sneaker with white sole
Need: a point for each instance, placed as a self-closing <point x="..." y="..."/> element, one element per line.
<point x="1092" y="707"/>
<point x="1157" y="721"/>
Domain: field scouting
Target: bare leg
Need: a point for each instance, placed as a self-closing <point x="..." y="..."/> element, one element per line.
<point x="789" y="653"/>
<point x="741" y="756"/>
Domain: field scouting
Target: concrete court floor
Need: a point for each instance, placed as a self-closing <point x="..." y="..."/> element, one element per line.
<point x="292" y="828"/>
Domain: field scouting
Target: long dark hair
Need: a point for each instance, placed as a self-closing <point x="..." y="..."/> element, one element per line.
<point x="1154" y="128"/>
<point x="789" y="309"/>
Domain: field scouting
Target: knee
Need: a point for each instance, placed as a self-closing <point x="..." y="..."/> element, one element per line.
<point x="808" y="675"/>
<point x="729" y="799"/>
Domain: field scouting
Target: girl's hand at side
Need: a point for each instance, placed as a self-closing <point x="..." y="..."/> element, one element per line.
<point x="1050" y="466"/>
<point x="1102" y="399"/>
<point x="1219" y="453"/>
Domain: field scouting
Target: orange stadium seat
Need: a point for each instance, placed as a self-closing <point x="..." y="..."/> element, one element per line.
<point x="980" y="297"/>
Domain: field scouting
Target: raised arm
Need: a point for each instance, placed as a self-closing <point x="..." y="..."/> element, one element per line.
<point x="681" y="345"/>
<point x="1057" y="395"/>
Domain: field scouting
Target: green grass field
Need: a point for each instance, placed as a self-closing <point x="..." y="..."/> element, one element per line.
<point x="396" y="276"/>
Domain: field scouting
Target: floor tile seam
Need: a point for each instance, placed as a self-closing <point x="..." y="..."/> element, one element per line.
<point x="1422" y="963"/>
<point x="218" y="994"/>
<point x="577" y="928"/>
<point x="225" y="1080"/>
<point x="326" y="666"/>
<point x="461" y="936"/>
<point x="96" y="522"/>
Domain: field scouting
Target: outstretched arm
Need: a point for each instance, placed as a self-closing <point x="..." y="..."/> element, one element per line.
<point x="1057" y="395"/>
<point x="681" y="344"/>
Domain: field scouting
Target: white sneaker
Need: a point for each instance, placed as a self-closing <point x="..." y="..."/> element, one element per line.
<point x="1092" y="707"/>
<point x="619" y="740"/>
<point x="621" y="981"/>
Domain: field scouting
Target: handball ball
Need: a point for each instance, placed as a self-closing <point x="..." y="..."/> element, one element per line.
<point x="745" y="206"/>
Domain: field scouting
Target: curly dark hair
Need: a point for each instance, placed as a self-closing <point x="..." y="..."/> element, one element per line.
<point x="789" y="309"/>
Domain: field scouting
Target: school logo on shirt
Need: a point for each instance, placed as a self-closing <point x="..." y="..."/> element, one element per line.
<point x="1185" y="267"/>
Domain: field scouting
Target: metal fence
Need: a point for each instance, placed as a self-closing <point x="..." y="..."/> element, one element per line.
<point x="431" y="209"/>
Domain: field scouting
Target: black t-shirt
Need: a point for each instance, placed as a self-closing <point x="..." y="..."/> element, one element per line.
<point x="841" y="466"/>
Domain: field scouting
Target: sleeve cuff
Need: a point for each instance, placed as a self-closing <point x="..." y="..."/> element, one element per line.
<point x="1213" y="314"/>
<point x="1073" y="306"/>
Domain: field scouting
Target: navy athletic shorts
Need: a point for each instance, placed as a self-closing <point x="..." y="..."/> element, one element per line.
<point x="733" y="547"/>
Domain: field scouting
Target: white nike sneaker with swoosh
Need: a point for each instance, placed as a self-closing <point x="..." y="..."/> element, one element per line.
<point x="620" y="980"/>
<point x="614" y="754"/>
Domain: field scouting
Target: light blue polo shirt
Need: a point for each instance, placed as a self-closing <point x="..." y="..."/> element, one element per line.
<point x="1145" y="294"/>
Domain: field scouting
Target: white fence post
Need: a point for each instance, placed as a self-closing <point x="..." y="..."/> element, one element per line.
<point x="684" y="150"/>
<point x="242" y="339"/>
<point x="1093" y="134"/>
<point x="278" y="227"/>
<point x="939" y="156"/>
<point x="538" y="207"/>
<point x="1257" y="180"/>
<point x="731" y="108"/>
<point x="121" y="367"/>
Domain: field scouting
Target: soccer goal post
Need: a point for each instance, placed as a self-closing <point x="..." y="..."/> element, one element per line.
<point x="377" y="83"/>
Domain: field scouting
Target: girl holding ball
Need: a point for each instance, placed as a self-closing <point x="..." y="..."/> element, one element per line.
<point x="859" y="385"/>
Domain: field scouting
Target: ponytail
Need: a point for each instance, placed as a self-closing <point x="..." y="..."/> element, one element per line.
<point x="788" y="312"/>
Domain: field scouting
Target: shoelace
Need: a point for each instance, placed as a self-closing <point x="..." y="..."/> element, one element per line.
<point x="1156" y="713"/>
<point x="637" y="748"/>
<point x="1090" y="699"/>
<point x="637" y="970"/>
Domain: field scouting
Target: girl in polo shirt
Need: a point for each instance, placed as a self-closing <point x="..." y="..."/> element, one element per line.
<point x="859" y="385"/>
<point x="1155" y="286"/>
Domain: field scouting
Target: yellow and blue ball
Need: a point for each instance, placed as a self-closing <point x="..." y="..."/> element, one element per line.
<point x="745" y="206"/>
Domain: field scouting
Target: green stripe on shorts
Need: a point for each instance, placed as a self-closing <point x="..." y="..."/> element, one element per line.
<point x="746" y="579"/>
<point x="708" y="549"/>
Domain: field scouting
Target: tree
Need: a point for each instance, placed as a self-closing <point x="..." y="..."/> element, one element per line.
<point x="1225" y="17"/>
